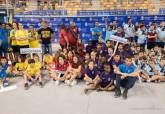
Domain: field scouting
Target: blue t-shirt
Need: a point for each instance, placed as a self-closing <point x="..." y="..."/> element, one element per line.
<point x="108" y="34"/>
<point x="127" y="69"/>
<point x="2" y="74"/>
<point x="4" y="67"/>
<point x="106" y="78"/>
<point x="2" y="34"/>
<point x="96" y="30"/>
<point x="91" y="73"/>
<point x="117" y="63"/>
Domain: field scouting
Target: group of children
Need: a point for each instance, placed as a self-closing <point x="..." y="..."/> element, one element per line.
<point x="95" y="64"/>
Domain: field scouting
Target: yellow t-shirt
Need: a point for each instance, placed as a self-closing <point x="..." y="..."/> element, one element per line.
<point x="20" y="66"/>
<point x="48" y="59"/>
<point x="33" y="43"/>
<point x="38" y="65"/>
<point x="12" y="36"/>
<point x="32" y="71"/>
<point x="22" y="34"/>
<point x="26" y="63"/>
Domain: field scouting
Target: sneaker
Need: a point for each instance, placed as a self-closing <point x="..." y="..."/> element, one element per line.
<point x="117" y="93"/>
<point x="73" y="83"/>
<point x="149" y="80"/>
<point x="125" y="94"/>
<point x="26" y="86"/>
<point x="5" y="83"/>
<point x="67" y="82"/>
<point x="41" y="84"/>
<point x="85" y="91"/>
<point x="57" y="82"/>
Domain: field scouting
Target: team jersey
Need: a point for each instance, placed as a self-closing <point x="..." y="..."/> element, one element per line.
<point x="33" y="39"/>
<point x="12" y="36"/>
<point x="22" y="34"/>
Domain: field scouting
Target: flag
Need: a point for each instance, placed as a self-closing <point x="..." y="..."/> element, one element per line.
<point x="11" y="18"/>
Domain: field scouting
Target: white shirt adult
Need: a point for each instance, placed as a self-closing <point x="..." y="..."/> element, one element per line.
<point x="161" y="33"/>
<point x="129" y="30"/>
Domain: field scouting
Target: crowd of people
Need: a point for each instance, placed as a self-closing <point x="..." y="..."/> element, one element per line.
<point x="102" y="63"/>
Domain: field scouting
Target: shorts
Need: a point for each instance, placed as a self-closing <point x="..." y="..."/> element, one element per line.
<point x="15" y="48"/>
<point x="105" y="84"/>
<point x="19" y="47"/>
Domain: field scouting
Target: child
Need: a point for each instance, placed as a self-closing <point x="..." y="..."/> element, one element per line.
<point x="3" y="77"/>
<point x="19" y="66"/>
<point x="47" y="61"/>
<point x="160" y="68"/>
<point x="91" y="73"/>
<point x="61" y="67"/>
<point x="89" y="47"/>
<point x="100" y="63"/>
<point x="106" y="79"/>
<point x="142" y="36"/>
<point x="116" y="61"/>
<point x="109" y="32"/>
<point x="73" y="71"/>
<point x="32" y="74"/>
<point x="104" y="82"/>
<point x="110" y="54"/>
<point x="33" y="37"/>
<point x="38" y="64"/>
<point x="70" y="56"/>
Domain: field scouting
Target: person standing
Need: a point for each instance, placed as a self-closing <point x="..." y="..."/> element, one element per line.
<point x="21" y="36"/>
<point x="96" y="33"/>
<point x="129" y="30"/>
<point x="45" y="34"/>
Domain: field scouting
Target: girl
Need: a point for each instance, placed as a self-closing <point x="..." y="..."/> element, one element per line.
<point x="19" y="67"/>
<point x="91" y="73"/>
<point x="73" y="71"/>
<point x="70" y="56"/>
<point x="13" y="38"/>
<point x="33" y="37"/>
<point x="21" y="36"/>
<point x="60" y="69"/>
<point x="47" y="61"/>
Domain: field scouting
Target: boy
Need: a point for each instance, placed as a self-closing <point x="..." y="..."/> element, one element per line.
<point x="104" y="82"/>
<point x="32" y="74"/>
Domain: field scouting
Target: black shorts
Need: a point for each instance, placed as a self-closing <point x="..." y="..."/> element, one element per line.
<point x="19" y="47"/>
<point x="15" y="48"/>
<point x="103" y="85"/>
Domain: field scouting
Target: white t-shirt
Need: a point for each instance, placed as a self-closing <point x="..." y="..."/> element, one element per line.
<point x="129" y="30"/>
<point x="161" y="33"/>
<point x="141" y="36"/>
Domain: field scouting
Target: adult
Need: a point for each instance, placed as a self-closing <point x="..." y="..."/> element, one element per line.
<point x="126" y="77"/>
<point x="13" y="38"/>
<point x="21" y="36"/>
<point x="129" y="30"/>
<point x="96" y="32"/>
<point x="45" y="33"/>
<point x="64" y="43"/>
<point x="3" y="40"/>
<point x="73" y="34"/>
